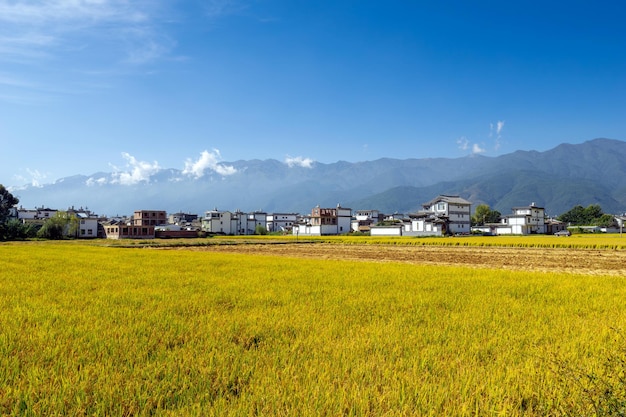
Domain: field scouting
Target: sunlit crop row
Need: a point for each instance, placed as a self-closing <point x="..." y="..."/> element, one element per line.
<point x="115" y="331"/>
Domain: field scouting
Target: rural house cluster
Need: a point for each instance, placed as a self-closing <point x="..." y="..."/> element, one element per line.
<point x="443" y="215"/>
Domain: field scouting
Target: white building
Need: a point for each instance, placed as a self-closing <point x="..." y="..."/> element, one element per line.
<point x="253" y="220"/>
<point x="523" y="221"/>
<point x="364" y="219"/>
<point x="281" y="222"/>
<point x="454" y="211"/>
<point x="37" y="214"/>
<point x="216" y="221"/>
<point x="442" y="215"/>
<point x="87" y="225"/>
<point x="325" y="221"/>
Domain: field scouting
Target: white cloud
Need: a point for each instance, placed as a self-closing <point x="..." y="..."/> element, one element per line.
<point x="299" y="161"/>
<point x="100" y="181"/>
<point x="135" y="171"/>
<point x="207" y="160"/>
<point x="476" y="149"/>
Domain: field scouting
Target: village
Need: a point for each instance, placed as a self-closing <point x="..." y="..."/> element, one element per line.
<point x="443" y="215"/>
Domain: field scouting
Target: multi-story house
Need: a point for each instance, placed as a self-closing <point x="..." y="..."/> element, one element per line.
<point x="325" y="221"/>
<point x="87" y="222"/>
<point x="182" y="219"/>
<point x="364" y="219"/>
<point x="527" y="220"/>
<point x="115" y="229"/>
<point x="453" y="211"/>
<point x="216" y="221"/>
<point x="141" y="226"/>
<point x="442" y="215"/>
<point x="281" y="222"/>
<point x="149" y="217"/>
<point x="523" y="221"/>
<point x="252" y="221"/>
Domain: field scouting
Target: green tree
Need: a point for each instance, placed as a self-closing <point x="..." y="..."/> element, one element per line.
<point x="575" y="216"/>
<point x="7" y="201"/>
<point x="14" y="229"/>
<point x="61" y="225"/>
<point x="260" y="230"/>
<point x="589" y="216"/>
<point x="483" y="214"/>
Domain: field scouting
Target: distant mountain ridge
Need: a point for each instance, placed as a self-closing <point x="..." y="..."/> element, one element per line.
<point x="593" y="172"/>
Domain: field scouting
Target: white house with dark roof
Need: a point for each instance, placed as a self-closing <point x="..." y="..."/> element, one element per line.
<point x="442" y="215"/>
<point x="363" y="220"/>
<point x="525" y="220"/>
<point x="455" y="213"/>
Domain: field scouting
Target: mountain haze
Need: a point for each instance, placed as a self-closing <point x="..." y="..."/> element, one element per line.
<point x="593" y="172"/>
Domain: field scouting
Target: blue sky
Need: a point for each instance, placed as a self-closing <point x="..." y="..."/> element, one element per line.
<point x="131" y="86"/>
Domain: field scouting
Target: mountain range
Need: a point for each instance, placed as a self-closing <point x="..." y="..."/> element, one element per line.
<point x="593" y="172"/>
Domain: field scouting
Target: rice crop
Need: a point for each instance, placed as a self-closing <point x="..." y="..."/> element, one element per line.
<point x="94" y="330"/>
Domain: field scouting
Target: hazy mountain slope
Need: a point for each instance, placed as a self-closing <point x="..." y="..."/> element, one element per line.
<point x="593" y="172"/>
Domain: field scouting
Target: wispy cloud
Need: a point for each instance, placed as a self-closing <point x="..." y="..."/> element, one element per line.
<point x="33" y="177"/>
<point x="134" y="172"/>
<point x="299" y="161"/>
<point x="495" y="131"/>
<point x="207" y="161"/>
<point x="78" y="36"/>
<point x="34" y="28"/>
<point x="463" y="143"/>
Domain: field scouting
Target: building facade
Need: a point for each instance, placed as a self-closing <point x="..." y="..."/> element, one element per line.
<point x="121" y="230"/>
<point x="325" y="221"/>
<point x="455" y="213"/>
<point x="216" y="221"/>
<point x="281" y="222"/>
<point x="149" y="217"/>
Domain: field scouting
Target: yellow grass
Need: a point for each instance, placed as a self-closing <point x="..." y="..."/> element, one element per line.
<point x="95" y="330"/>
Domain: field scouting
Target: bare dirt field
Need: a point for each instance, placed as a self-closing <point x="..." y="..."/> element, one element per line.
<point x="582" y="261"/>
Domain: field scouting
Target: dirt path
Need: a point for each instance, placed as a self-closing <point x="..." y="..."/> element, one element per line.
<point x="583" y="261"/>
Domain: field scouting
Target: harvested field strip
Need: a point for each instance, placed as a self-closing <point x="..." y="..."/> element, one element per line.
<point x="583" y="241"/>
<point x="580" y="261"/>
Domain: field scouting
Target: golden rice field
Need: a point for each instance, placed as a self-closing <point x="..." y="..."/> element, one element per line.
<point x="97" y="328"/>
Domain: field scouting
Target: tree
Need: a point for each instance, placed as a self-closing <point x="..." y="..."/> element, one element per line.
<point x="60" y="225"/>
<point x="7" y="201"/>
<point x="590" y="216"/>
<point x="14" y="229"/>
<point x="483" y="214"/>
